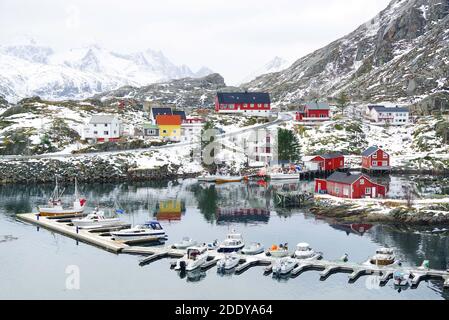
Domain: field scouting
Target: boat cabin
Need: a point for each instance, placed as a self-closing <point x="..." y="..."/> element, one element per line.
<point x="153" y="225"/>
<point x="194" y="252"/>
<point x="303" y="247"/>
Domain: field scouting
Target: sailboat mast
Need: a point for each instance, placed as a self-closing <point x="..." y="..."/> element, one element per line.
<point x="76" y="189"/>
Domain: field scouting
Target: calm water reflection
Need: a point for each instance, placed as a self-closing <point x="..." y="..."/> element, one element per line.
<point x="33" y="262"/>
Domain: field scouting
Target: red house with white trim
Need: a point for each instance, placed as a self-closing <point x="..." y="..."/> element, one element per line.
<point x="249" y="103"/>
<point x="330" y="161"/>
<point x="313" y="111"/>
<point x="375" y="159"/>
<point x="350" y="186"/>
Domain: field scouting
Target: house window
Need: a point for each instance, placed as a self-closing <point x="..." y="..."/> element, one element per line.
<point x="375" y="156"/>
<point x="385" y="156"/>
<point x="367" y="190"/>
<point x="174" y="131"/>
<point x="268" y="150"/>
<point x="385" y="163"/>
<point x="337" y="190"/>
<point x="164" y="131"/>
<point x="374" y="163"/>
<point x="95" y="132"/>
<point x="252" y="105"/>
<point x="362" y="181"/>
<point x="106" y="133"/>
<point x="346" y="191"/>
<point x="105" y="124"/>
<point x="95" y="124"/>
<point x="115" y="131"/>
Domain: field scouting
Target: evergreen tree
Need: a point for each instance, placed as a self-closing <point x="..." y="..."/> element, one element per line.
<point x="288" y="146"/>
<point x="342" y="101"/>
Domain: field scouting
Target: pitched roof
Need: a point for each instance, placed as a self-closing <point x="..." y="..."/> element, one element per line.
<point x="243" y="97"/>
<point x="370" y="151"/>
<point x="102" y="118"/>
<point x="330" y="155"/>
<point x="393" y="110"/>
<point x="160" y="111"/>
<point x="373" y="106"/>
<point x="180" y="113"/>
<point x="346" y="178"/>
<point x="148" y="125"/>
<point x="168" y="120"/>
<point x="313" y="105"/>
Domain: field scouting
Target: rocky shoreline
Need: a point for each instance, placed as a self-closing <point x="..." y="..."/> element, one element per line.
<point x="86" y="170"/>
<point x="346" y="213"/>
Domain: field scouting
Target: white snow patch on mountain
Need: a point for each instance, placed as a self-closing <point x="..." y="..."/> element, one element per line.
<point x="275" y="65"/>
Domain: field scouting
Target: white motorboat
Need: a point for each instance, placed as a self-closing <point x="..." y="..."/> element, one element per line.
<point x="207" y="178"/>
<point x="212" y="245"/>
<point x="383" y="257"/>
<point x="284" y="176"/>
<point x="401" y="278"/>
<point x="304" y="252"/>
<point x="229" y="262"/>
<point x="194" y="258"/>
<point x="95" y="219"/>
<point x="228" y="179"/>
<point x="232" y="243"/>
<point x="150" y="231"/>
<point x="253" y="249"/>
<point x="55" y="207"/>
<point x="280" y="251"/>
<point x="284" y="266"/>
<point x="185" y="243"/>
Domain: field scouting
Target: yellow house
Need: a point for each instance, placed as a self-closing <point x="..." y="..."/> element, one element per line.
<point x="169" y="127"/>
<point x="169" y="210"/>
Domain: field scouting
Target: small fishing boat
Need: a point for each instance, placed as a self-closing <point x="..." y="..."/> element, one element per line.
<point x="284" y="266"/>
<point x="383" y="257"/>
<point x="150" y="231"/>
<point x="96" y="219"/>
<point x="55" y="208"/>
<point x="229" y="262"/>
<point x="401" y="278"/>
<point x="185" y="243"/>
<point x="304" y="252"/>
<point x="228" y="179"/>
<point x="253" y="249"/>
<point x="280" y="251"/>
<point x="232" y="243"/>
<point x="194" y="258"/>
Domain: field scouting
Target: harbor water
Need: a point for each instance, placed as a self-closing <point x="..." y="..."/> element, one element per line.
<point x="39" y="264"/>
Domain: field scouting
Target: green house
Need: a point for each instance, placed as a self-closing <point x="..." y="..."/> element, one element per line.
<point x="150" y="130"/>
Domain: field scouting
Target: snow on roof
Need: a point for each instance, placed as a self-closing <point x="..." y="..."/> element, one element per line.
<point x="243" y="97"/>
<point x="102" y="118"/>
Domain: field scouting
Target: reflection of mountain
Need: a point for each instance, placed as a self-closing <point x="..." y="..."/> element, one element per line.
<point x="240" y="215"/>
<point x="355" y="228"/>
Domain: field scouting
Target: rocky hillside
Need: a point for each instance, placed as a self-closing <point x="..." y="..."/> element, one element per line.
<point x="184" y="93"/>
<point x="401" y="54"/>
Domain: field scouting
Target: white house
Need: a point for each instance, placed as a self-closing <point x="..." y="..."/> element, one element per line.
<point x="396" y="116"/>
<point x="102" y="127"/>
<point x="191" y="129"/>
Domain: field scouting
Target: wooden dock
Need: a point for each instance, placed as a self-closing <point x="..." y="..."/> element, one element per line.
<point x="103" y="240"/>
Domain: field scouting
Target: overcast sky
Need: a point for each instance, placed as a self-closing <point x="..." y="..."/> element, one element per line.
<point x="232" y="37"/>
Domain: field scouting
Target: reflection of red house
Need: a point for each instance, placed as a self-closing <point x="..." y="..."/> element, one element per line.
<point x="330" y="162"/>
<point x="347" y="185"/>
<point x="313" y="111"/>
<point x="355" y="228"/>
<point x="375" y="159"/>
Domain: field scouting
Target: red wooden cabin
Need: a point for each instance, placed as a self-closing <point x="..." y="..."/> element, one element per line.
<point x="330" y="161"/>
<point x="350" y="186"/>
<point x="313" y="111"/>
<point x="375" y="159"/>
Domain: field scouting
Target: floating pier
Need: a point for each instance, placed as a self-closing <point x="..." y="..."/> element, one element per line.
<point x="102" y="239"/>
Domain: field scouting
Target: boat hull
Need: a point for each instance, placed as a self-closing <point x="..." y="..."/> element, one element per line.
<point x="253" y="252"/>
<point x="230" y="249"/>
<point x="48" y="212"/>
<point x="96" y="224"/>
<point x="284" y="176"/>
<point x="278" y="253"/>
<point x="140" y="238"/>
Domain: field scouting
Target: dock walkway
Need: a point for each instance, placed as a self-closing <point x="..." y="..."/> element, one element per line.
<point x="103" y="240"/>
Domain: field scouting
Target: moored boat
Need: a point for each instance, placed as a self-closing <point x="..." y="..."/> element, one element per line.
<point x="228" y="262"/>
<point x="228" y="179"/>
<point x="401" y="277"/>
<point x="383" y="257"/>
<point x="304" y="252"/>
<point x="95" y="219"/>
<point x="150" y="231"/>
<point x="232" y="243"/>
<point x="185" y="243"/>
<point x="280" y="251"/>
<point x="55" y="207"/>
<point x="284" y="266"/>
<point x="193" y="259"/>
<point x="253" y="249"/>
<point x="284" y="176"/>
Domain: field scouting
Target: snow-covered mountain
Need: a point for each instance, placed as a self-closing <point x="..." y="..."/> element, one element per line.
<point x="275" y="65"/>
<point x="29" y="70"/>
<point x="402" y="53"/>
